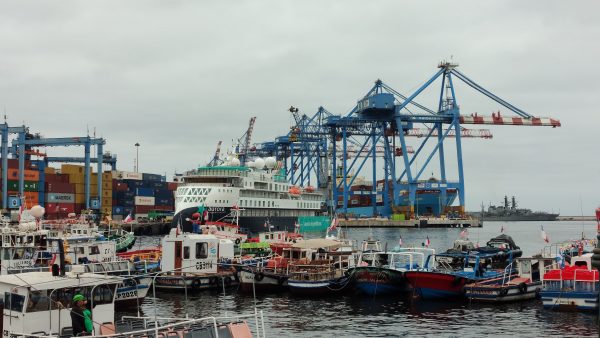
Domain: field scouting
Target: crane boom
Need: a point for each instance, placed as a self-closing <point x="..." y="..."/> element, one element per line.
<point x="464" y="132"/>
<point x="216" y="158"/>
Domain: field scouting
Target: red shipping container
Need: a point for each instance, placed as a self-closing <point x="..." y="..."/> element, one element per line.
<point x="60" y="187"/>
<point x="58" y="178"/>
<point x="79" y="208"/>
<point x="30" y="175"/>
<point x="14" y="164"/>
<point x="119" y="186"/>
<point x="172" y="186"/>
<point x="144" y="209"/>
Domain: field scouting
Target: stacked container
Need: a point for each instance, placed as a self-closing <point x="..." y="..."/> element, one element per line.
<point x="31" y="183"/>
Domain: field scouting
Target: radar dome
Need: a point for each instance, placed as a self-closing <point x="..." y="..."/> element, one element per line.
<point x="259" y="163"/>
<point x="270" y="162"/>
<point x="234" y="162"/>
<point x="37" y="211"/>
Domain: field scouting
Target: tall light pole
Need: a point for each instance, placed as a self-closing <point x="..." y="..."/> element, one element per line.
<point x="137" y="157"/>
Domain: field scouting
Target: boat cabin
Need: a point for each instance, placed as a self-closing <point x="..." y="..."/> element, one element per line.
<point x="579" y="276"/>
<point x="194" y="253"/>
<point x="38" y="302"/>
<point x="86" y="251"/>
<point x="18" y="249"/>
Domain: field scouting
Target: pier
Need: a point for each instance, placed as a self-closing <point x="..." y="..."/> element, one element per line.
<point x="411" y="223"/>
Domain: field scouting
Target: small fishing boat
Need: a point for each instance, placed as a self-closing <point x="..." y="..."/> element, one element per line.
<point x="572" y="287"/>
<point x="382" y="272"/>
<point x="525" y="284"/>
<point x="450" y="273"/>
<point x="195" y="262"/>
<point x="39" y="304"/>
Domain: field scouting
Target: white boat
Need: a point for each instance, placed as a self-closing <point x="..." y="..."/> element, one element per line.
<point x="195" y="262"/>
<point x="38" y="304"/>
<point x="264" y="196"/>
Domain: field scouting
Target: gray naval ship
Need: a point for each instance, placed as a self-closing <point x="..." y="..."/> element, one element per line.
<point x="510" y="212"/>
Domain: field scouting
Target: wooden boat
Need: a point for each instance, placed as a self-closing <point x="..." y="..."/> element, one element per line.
<point x="525" y="284"/>
<point x="572" y="287"/>
<point x="317" y="279"/>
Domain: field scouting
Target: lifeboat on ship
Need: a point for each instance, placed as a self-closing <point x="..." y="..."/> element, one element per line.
<point x="295" y="191"/>
<point x="309" y="189"/>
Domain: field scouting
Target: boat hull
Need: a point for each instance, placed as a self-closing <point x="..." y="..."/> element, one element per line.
<point x="261" y="281"/>
<point x="500" y="294"/>
<point x="130" y="295"/>
<point x="378" y="281"/>
<point x="195" y="282"/>
<point x="318" y="287"/>
<point x="570" y="300"/>
<point x="435" y="285"/>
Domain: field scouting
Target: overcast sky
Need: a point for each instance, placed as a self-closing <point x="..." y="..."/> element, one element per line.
<point x="178" y="76"/>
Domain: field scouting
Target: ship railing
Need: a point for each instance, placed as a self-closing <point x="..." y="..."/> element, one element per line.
<point x="506" y="276"/>
<point x="585" y="285"/>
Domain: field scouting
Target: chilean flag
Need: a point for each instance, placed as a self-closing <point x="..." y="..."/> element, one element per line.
<point x="427" y="242"/>
<point x="400" y="241"/>
<point x="464" y="233"/>
<point x="128" y="219"/>
<point x="333" y="224"/>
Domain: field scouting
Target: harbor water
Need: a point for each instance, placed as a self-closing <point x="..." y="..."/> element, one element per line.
<point x="352" y="315"/>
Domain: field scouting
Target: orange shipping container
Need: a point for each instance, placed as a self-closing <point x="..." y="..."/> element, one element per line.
<point x="50" y="170"/>
<point x="30" y="175"/>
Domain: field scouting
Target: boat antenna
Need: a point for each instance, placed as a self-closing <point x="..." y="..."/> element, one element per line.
<point x="582" y="220"/>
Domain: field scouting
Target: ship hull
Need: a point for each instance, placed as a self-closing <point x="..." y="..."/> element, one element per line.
<point x="519" y="218"/>
<point x="253" y="224"/>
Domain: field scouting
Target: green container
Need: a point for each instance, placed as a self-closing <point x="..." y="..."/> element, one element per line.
<point x="398" y="217"/>
<point x="313" y="223"/>
<point x="28" y="185"/>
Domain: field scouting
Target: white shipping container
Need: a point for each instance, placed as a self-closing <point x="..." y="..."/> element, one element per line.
<point x="60" y="198"/>
<point x="144" y="200"/>
<point x="127" y="175"/>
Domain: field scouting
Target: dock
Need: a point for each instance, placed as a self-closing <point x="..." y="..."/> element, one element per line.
<point x="411" y="223"/>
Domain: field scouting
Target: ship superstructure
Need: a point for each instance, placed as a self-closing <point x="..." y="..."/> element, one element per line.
<point x="266" y="200"/>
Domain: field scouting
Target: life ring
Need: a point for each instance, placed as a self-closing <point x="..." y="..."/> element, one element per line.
<point x="522" y="288"/>
<point x="503" y="292"/>
<point x="196" y="284"/>
<point x="259" y="276"/>
<point x="212" y="280"/>
<point x="238" y="241"/>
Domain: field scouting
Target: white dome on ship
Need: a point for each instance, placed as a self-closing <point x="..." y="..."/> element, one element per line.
<point x="234" y="162"/>
<point x="37" y="211"/>
<point x="270" y="162"/>
<point x="259" y="163"/>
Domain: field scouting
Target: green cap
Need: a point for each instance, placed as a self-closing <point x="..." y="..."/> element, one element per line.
<point x="78" y="297"/>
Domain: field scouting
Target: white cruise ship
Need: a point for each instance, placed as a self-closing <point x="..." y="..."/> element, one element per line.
<point x="265" y="197"/>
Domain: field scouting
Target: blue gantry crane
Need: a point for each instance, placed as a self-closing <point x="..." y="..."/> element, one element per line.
<point x="377" y="128"/>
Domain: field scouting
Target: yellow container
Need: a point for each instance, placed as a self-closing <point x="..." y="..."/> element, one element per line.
<point x="71" y="169"/>
<point x="79" y="199"/>
<point x="107" y="176"/>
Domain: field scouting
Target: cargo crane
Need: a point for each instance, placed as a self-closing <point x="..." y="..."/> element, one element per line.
<point x="385" y="114"/>
<point x="243" y="143"/>
<point x="216" y="160"/>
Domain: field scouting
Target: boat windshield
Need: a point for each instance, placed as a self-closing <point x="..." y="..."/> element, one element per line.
<point x="14" y="302"/>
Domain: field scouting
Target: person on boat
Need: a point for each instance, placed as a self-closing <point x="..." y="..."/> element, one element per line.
<point x="81" y="317"/>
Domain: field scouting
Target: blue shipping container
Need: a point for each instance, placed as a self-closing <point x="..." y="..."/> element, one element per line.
<point x="132" y="184"/>
<point x="162" y="193"/>
<point x="151" y="177"/>
<point x="160" y="185"/>
<point x="164" y="201"/>
<point x="148" y="192"/>
<point x="127" y="203"/>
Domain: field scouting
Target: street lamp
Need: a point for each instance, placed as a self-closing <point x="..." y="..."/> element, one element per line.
<point x="137" y="157"/>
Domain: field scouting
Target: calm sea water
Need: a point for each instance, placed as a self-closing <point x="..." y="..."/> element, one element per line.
<point x="359" y="316"/>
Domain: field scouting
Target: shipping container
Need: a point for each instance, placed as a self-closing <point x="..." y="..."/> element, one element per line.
<point x="76" y="178"/>
<point x="163" y="193"/>
<point x="79" y="199"/>
<point x="49" y="170"/>
<point x="107" y="202"/>
<point x="29" y="175"/>
<point x="119" y="186"/>
<point x="133" y="184"/>
<point x="126" y="175"/>
<point x="127" y="202"/>
<point x="71" y="169"/>
<point x="60" y="208"/>
<point x="172" y="186"/>
<point x="57" y="178"/>
<point x="160" y="185"/>
<point x="143" y="209"/>
<point x="144" y="200"/>
<point x="107" y="176"/>
<point x="107" y="185"/>
<point x="152" y="177"/>
<point x="60" y="187"/>
<point x="27" y="185"/>
<point x="107" y="194"/>
<point x="117" y="210"/>
<point x="144" y="192"/>
<point x="60" y="198"/>
<point x="164" y="201"/>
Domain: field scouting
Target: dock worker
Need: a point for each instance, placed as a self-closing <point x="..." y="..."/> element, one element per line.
<point x="81" y="317"/>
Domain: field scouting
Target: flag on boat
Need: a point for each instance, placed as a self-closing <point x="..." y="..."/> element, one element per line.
<point x="205" y="215"/>
<point x="464" y="233"/>
<point x="178" y="231"/>
<point x="333" y="224"/>
<point x="427" y="242"/>
<point x="400" y="241"/>
<point x="545" y="235"/>
<point x="502" y="228"/>
<point x="265" y="225"/>
<point x="128" y="219"/>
